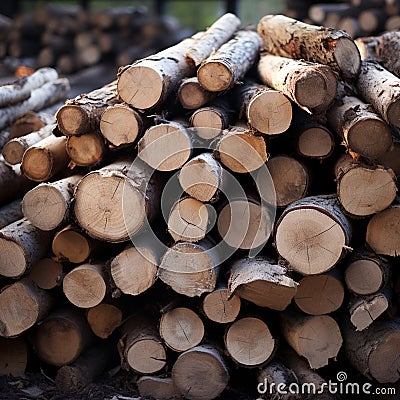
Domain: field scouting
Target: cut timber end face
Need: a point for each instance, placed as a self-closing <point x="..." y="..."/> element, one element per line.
<point x="104" y="319"/>
<point x="71" y="119"/>
<point x="207" y="118"/>
<point x="305" y="90"/>
<point x="365" y="311"/>
<point x="86" y="150"/>
<point x="344" y="54"/>
<point x="220" y="306"/>
<point x="13" y="260"/>
<point x="71" y="245"/>
<point x="45" y="207"/>
<point x="214" y="76"/>
<point x="45" y="273"/>
<point x="140" y="86"/>
<point x="363" y="276"/>
<point x="315" y="143"/>
<point x="146" y="356"/>
<point x="249" y="342"/>
<point x="42" y="160"/>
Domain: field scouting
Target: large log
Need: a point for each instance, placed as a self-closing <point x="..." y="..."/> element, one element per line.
<point x="10" y="213"/>
<point x="22" y="245"/>
<point x="297" y="79"/>
<point x="13" y="356"/>
<point x="32" y="303"/>
<point x="230" y="62"/>
<point x="44" y="96"/>
<point x="47" y="205"/>
<point x="313" y="234"/>
<point x="263" y="283"/>
<point x="287" y="37"/>
<point x="82" y="114"/>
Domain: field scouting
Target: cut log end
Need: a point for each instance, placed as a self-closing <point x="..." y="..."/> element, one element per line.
<point x="86" y="150"/>
<point x="71" y="119"/>
<point x="345" y="54"/>
<point x="13" y="152"/>
<point x="71" y="245"/>
<point x="215" y="76"/>
<point x="316" y="143"/>
<point x="13" y="262"/>
<point x="364" y="312"/>
<point x="146" y="356"/>
<point x="104" y="319"/>
<point x="363" y="276"/>
<point x="37" y="164"/>
<point x="305" y="92"/>
<point x="207" y="117"/>
<point x="393" y="113"/>
<point x="45" y="273"/>
<point x="220" y="306"/>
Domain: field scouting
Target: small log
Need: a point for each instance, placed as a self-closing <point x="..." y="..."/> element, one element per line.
<point x="45" y="159"/>
<point x="13" y="356"/>
<point x="193" y="365"/>
<point x="362" y="189"/>
<point x="42" y="97"/>
<point x="192" y="95"/>
<point x="30" y="122"/>
<point x="372" y="20"/>
<point x="62" y="337"/>
<point x="148" y="82"/>
<point x="317" y="338"/>
<point x="366" y="273"/>
<point x="190" y="268"/>
<point x="181" y="329"/>
<point x="158" y="388"/>
<point x="374" y="352"/>
<point x="188" y="220"/>
<point x="287" y="37"/>
<point x="382" y="89"/>
<point x="230" y="62"/>
<point x="32" y="303"/>
<point x="85" y="286"/>
<point x="119" y="183"/>
<point x="140" y="346"/>
<point x="21" y="89"/>
<point x="45" y="273"/>
<point x="261" y="282"/>
<point x="166" y="146"/>
<point x="241" y="151"/>
<point x="298" y="79"/>
<point x="363" y="131"/>
<point x="121" y="125"/>
<point x="220" y="305"/>
<point x="14" y="150"/>
<point x="22" y="245"/>
<point x="87" y="150"/>
<point x="47" y="205"/>
<point x="10" y="213"/>
<point x="266" y="110"/>
<point x="312" y="234"/>
<point x="249" y="342"/>
<point x="320" y="294"/>
<point x="82" y="114"/>
<point x="383" y="232"/>
<point x="215" y="36"/>
<point x="83" y="371"/>
<point x="104" y="319"/>
<point x="134" y="270"/>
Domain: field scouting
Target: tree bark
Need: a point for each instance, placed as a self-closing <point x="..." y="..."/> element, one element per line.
<point x="22" y="245"/>
<point x="321" y="241"/>
<point x="262" y="283"/>
<point x="32" y="303"/>
<point x="287" y="37"/>
<point x="47" y="205"/>
<point x="10" y="213"/>
<point x="229" y="64"/>
<point x="85" y="151"/>
<point x="298" y="79"/>
<point x="104" y="319"/>
<point x="192" y="95"/>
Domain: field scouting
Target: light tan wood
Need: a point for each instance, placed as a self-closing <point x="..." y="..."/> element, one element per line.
<point x="45" y="273"/>
<point x="181" y="329"/>
<point x="22" y="305"/>
<point x="230" y="62"/>
<point x="188" y="220"/>
<point x="47" y="205"/>
<point x="190" y="268"/>
<point x="203" y="178"/>
<point x="383" y="232"/>
<point x="45" y="159"/>
<point x="192" y="95"/>
<point x="86" y="150"/>
<point x="157" y="387"/>
<point x="313" y="234"/>
<point x="193" y="366"/>
<point x="140" y="346"/>
<point x="121" y="125"/>
<point x="85" y="285"/>
<point x="134" y="270"/>
<point x="13" y="356"/>
<point x="297" y="79"/>
<point x="249" y="342"/>
<point x="287" y="37"/>
<point x="21" y="246"/>
<point x="320" y="294"/>
<point x="317" y="338"/>
<point x="62" y="337"/>
<point x="367" y="47"/>
<point x="261" y="282"/>
<point x="10" y="213"/>
<point x="104" y="319"/>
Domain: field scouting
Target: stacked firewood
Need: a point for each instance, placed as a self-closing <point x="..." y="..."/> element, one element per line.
<point x="147" y="234"/>
<point x="70" y="38"/>
<point x="356" y="17"/>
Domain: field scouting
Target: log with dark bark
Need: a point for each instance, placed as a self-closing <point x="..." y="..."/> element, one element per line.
<point x="287" y="37"/>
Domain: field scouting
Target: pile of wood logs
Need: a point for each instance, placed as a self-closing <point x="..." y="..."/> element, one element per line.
<point x="356" y="17"/>
<point x="294" y="271"/>
<point x="70" y="38"/>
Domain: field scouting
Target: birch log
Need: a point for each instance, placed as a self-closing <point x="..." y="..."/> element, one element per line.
<point x="192" y="95"/>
